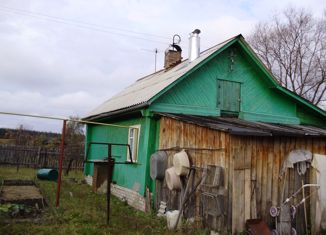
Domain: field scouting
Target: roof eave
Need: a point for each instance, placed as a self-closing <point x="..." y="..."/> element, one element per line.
<point x="117" y="112"/>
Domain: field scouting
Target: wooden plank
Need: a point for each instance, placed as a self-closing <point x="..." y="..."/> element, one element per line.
<point x="240" y="199"/>
<point x="176" y="130"/>
<point x="313" y="204"/>
<point x="186" y="140"/>
<point x="228" y="179"/>
<point x="276" y="170"/>
<point x="286" y="180"/>
<point x="270" y="169"/>
<point x="253" y="199"/>
<point x="292" y="173"/>
<point x="321" y="147"/>
<point x="238" y="208"/>
<point x="259" y="182"/>
<point x="208" y="142"/>
<point x="197" y="158"/>
<point x="198" y="132"/>
<point x="221" y="144"/>
<point x="235" y="190"/>
<point x="247" y="177"/>
<point x="192" y="141"/>
<point x="162" y="141"/>
<point x="265" y="179"/>
<point x="282" y="157"/>
<point x="230" y="182"/>
<point x="215" y="144"/>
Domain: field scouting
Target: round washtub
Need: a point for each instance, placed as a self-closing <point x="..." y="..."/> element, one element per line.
<point x="181" y="163"/>
<point x="47" y="174"/>
<point x="158" y="165"/>
<point x="172" y="179"/>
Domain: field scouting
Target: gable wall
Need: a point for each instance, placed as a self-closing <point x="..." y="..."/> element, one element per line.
<point x="194" y="95"/>
<point x="197" y="94"/>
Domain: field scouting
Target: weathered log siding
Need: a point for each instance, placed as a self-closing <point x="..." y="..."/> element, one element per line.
<point x="252" y="166"/>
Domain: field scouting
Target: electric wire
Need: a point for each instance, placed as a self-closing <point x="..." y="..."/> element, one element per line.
<point x="82" y="22"/>
<point x="85" y="25"/>
<point x="61" y="119"/>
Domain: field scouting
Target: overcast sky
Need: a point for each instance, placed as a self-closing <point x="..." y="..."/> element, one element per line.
<point x="62" y="58"/>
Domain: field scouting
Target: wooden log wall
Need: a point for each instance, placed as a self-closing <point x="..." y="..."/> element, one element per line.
<point x="179" y="134"/>
<point x="251" y="166"/>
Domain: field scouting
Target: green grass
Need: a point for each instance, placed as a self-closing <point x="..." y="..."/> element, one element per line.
<point x="83" y="212"/>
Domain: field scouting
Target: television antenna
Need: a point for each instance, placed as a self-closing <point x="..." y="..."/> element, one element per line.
<point x="155" y="55"/>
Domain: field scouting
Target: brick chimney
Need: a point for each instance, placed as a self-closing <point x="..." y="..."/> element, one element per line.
<point x="173" y="53"/>
<point x="172" y="56"/>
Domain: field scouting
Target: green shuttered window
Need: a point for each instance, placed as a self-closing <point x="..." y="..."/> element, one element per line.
<point x="228" y="98"/>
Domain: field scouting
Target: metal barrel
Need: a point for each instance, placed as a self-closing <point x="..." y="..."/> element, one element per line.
<point x="47" y="174"/>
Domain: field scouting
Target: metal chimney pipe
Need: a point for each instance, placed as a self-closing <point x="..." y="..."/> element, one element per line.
<point x="194" y="45"/>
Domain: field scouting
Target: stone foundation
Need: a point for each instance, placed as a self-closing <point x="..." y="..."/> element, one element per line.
<point x="132" y="197"/>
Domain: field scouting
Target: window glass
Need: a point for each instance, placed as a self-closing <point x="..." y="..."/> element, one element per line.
<point x="133" y="141"/>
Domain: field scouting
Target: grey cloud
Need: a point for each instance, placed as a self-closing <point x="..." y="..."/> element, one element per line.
<point x="60" y="69"/>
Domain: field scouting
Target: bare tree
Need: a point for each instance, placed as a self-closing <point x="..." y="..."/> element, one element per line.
<point x="293" y="47"/>
<point x="74" y="138"/>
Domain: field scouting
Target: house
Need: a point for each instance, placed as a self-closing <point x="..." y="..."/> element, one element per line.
<point x="225" y="109"/>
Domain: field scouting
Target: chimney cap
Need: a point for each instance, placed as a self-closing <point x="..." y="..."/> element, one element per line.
<point x="196" y="31"/>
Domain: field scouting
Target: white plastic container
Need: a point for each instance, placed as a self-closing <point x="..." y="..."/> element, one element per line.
<point x="172" y="179"/>
<point x="171" y="218"/>
<point x="181" y="163"/>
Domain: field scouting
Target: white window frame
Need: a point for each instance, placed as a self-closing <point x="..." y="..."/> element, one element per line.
<point x="134" y="151"/>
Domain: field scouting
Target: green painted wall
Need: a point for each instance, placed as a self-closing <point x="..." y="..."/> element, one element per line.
<point x="198" y="93"/>
<point x="308" y="118"/>
<point x="125" y="175"/>
<point x="194" y="95"/>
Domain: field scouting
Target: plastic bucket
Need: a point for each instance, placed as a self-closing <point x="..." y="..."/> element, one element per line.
<point x="171" y="218"/>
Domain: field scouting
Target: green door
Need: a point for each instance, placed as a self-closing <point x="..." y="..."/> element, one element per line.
<point x="228" y="96"/>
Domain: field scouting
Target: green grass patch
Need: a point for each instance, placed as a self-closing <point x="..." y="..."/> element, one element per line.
<point x="83" y="212"/>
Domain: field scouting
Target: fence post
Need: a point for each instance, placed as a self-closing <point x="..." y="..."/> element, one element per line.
<point x="38" y="158"/>
<point x="17" y="160"/>
<point x="62" y="149"/>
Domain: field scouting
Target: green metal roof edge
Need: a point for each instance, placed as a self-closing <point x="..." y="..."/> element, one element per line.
<point x="247" y="48"/>
<point x="232" y="41"/>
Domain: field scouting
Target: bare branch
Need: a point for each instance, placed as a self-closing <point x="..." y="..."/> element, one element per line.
<point x="293" y="46"/>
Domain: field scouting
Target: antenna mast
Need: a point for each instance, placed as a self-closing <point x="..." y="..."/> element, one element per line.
<point x="156" y="51"/>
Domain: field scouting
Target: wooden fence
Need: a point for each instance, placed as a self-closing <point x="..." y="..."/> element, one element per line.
<point x="38" y="157"/>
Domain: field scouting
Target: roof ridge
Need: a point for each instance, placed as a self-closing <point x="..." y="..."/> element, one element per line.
<point x="147" y="87"/>
<point x="203" y="52"/>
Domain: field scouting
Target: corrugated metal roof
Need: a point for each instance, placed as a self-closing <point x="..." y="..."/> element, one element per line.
<point x="146" y="88"/>
<point x="237" y="126"/>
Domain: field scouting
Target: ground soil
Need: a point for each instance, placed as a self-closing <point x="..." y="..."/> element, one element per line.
<point x="16" y="193"/>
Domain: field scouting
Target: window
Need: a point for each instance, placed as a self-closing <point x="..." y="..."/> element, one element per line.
<point x="133" y="141"/>
<point x="229" y="94"/>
